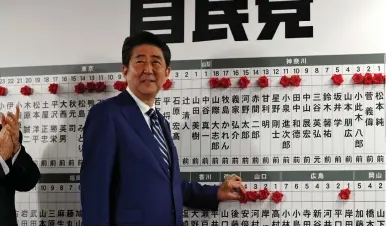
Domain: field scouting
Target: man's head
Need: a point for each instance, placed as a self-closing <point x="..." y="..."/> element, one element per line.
<point x="145" y="64"/>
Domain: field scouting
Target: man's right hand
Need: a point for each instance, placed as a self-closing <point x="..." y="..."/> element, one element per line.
<point x="6" y="145"/>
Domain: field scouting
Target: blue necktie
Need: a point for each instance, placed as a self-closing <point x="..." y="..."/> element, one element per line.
<point x="158" y="135"/>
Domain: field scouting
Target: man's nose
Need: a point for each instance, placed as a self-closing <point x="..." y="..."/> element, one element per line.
<point x="148" y="68"/>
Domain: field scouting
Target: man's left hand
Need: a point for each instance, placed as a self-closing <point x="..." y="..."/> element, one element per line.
<point x="231" y="188"/>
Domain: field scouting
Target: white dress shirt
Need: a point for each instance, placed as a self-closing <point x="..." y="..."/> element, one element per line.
<point x="142" y="106"/>
<point x="4" y="165"/>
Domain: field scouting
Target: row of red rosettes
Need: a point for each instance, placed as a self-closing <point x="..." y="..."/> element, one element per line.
<point x="80" y="87"/>
<point x="276" y="197"/>
<point x="295" y="80"/>
<point x="215" y="82"/>
<point x="368" y="78"/>
<point x="54" y="88"/>
<point x="262" y="194"/>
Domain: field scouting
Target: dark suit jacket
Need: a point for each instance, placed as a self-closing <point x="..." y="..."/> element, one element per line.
<point x="23" y="176"/>
<point x="122" y="179"/>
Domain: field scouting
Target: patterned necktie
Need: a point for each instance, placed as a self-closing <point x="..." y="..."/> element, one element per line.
<point x="158" y="135"/>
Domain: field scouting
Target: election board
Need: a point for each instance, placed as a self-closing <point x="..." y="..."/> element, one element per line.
<point x="301" y="122"/>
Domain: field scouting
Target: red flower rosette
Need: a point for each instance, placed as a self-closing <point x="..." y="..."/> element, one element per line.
<point x="344" y="194"/>
<point x="53" y="88"/>
<point x="100" y="86"/>
<point x="249" y="196"/>
<point x="243" y="198"/>
<point x="3" y="91"/>
<point x="90" y="86"/>
<point x="225" y="82"/>
<point x="368" y="78"/>
<point x="263" y="194"/>
<point x="80" y="88"/>
<point x="295" y="80"/>
<point x="244" y="82"/>
<point x="252" y="196"/>
<point x="337" y="79"/>
<point x="358" y="78"/>
<point x="120" y="85"/>
<point x="277" y="196"/>
<point x="285" y="81"/>
<point x="26" y="91"/>
<point x="263" y="81"/>
<point x="214" y="82"/>
<point x="378" y="78"/>
<point x="168" y="84"/>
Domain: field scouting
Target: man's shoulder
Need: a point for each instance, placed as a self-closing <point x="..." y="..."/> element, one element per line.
<point x="106" y="108"/>
<point x="105" y="105"/>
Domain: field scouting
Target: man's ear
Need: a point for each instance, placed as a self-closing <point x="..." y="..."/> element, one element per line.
<point x="168" y="69"/>
<point x="124" y="70"/>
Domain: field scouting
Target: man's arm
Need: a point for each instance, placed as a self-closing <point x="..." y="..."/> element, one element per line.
<point x="99" y="147"/>
<point x="197" y="196"/>
<point x="24" y="174"/>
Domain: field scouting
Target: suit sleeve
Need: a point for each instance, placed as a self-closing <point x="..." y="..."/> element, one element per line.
<point x="24" y="174"/>
<point x="99" y="147"/>
<point x="198" y="196"/>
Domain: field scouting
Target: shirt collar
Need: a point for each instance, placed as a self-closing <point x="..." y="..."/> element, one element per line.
<point x="142" y="106"/>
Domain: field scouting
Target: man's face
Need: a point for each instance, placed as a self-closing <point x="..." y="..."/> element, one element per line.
<point x="147" y="71"/>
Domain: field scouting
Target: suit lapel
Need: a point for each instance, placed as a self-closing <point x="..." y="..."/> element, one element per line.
<point x="134" y="116"/>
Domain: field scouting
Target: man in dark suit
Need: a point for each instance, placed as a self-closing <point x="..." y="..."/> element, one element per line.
<point x="130" y="173"/>
<point x="18" y="172"/>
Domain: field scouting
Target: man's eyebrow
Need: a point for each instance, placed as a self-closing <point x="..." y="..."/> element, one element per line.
<point x="154" y="56"/>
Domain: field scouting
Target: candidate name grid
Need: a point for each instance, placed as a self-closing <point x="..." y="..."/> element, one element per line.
<point x="314" y="124"/>
<point x="310" y="197"/>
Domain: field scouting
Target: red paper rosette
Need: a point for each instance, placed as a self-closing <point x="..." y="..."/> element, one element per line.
<point x="168" y="84"/>
<point x="285" y="81"/>
<point x="263" y="82"/>
<point x="344" y="194"/>
<point x="277" y="197"/>
<point x="120" y="85"/>
<point x="100" y="86"/>
<point x="244" y="82"/>
<point x="378" y="78"/>
<point x="80" y="88"/>
<point x="263" y="194"/>
<point x="3" y="91"/>
<point x="358" y="78"/>
<point x="249" y="196"/>
<point x="214" y="82"/>
<point x="337" y="79"/>
<point x="295" y="80"/>
<point x="368" y="78"/>
<point x="225" y="82"/>
<point x="53" y="88"/>
<point x="90" y="86"/>
<point x="26" y="91"/>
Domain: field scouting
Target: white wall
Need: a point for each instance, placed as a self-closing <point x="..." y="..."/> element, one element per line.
<point x="46" y="32"/>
